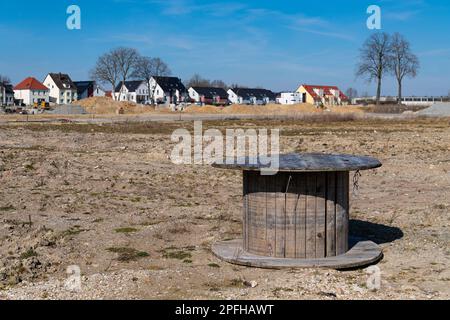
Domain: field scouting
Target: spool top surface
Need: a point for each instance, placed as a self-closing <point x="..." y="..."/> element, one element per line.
<point x="307" y="162"/>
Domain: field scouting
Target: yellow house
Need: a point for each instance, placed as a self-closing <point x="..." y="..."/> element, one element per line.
<point x="323" y="95"/>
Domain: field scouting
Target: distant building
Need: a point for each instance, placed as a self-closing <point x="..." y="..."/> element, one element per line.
<point x="167" y="90"/>
<point x="208" y="95"/>
<point x="133" y="91"/>
<point x="322" y="95"/>
<point x="251" y="96"/>
<point x="289" y="98"/>
<point x="88" y="89"/>
<point x="6" y="94"/>
<point x="30" y="91"/>
<point x="62" y="89"/>
<point x="424" y="101"/>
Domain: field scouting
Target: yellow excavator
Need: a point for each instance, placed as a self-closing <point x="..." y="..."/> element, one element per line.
<point x="42" y="105"/>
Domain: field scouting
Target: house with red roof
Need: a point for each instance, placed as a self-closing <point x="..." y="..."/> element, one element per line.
<point x="322" y="95"/>
<point x="30" y="92"/>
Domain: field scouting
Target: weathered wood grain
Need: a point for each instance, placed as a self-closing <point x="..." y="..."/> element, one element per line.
<point x="364" y="253"/>
<point x="309" y="162"/>
<point x="292" y="196"/>
<point x="310" y="244"/>
<point x="300" y="228"/>
<point x="280" y="214"/>
<point x="320" y="215"/>
<point x="296" y="215"/>
<point x="271" y="201"/>
<point x="245" y="211"/>
<point x="342" y="217"/>
<point x="331" y="215"/>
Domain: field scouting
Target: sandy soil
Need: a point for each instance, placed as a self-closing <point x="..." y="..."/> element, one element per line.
<point x="108" y="199"/>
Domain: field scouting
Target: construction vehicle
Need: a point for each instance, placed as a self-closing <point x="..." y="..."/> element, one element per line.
<point x="41" y="105"/>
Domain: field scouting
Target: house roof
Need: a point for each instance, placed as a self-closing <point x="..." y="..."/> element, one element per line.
<point x="9" y="89"/>
<point x="259" y="94"/>
<point x="62" y="81"/>
<point x="130" y="85"/>
<point x="170" y="83"/>
<point x="326" y="90"/>
<point x="82" y="86"/>
<point x="30" y="84"/>
<point x="211" y="92"/>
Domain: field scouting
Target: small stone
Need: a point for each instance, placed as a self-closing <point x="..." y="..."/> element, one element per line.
<point x="251" y="284"/>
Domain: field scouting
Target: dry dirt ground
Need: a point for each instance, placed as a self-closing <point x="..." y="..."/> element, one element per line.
<point x="108" y="199"/>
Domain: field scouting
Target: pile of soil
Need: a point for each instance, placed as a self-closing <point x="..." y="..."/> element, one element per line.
<point x="393" y="108"/>
<point x="271" y="109"/>
<point x="106" y="105"/>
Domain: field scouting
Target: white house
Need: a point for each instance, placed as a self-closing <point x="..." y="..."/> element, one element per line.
<point x="6" y="94"/>
<point x="167" y="90"/>
<point x="88" y="89"/>
<point x="132" y="91"/>
<point x="251" y="96"/>
<point x="30" y="92"/>
<point x="62" y="89"/>
<point x="208" y="95"/>
<point x="289" y="98"/>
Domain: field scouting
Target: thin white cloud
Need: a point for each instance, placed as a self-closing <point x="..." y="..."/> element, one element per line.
<point x="326" y="33"/>
<point x="440" y="52"/>
<point x="401" y="15"/>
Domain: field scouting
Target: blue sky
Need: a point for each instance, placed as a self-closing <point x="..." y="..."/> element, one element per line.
<point x="275" y="44"/>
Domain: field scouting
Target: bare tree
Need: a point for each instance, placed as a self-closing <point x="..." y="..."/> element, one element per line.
<point x="161" y="68"/>
<point x="107" y="70"/>
<point x="198" y="81"/>
<point x="219" y="84"/>
<point x="126" y="59"/>
<point x="351" y="93"/>
<point x="237" y="85"/>
<point x="146" y="68"/>
<point x="403" y="62"/>
<point x="374" y="60"/>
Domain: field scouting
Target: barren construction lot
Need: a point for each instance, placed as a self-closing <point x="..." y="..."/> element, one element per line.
<point x="108" y="199"/>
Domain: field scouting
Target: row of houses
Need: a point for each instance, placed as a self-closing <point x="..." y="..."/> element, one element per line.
<point x="316" y="95"/>
<point x="58" y="88"/>
<point x="171" y="90"/>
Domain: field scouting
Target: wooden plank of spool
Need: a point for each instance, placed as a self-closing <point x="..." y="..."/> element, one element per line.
<point x="291" y="215"/>
<point x="271" y="217"/>
<point x="258" y="222"/>
<point x="320" y="215"/>
<point x="331" y="215"/>
<point x="300" y="234"/>
<point x="280" y="216"/>
<point x="311" y="215"/>
<point x="342" y="190"/>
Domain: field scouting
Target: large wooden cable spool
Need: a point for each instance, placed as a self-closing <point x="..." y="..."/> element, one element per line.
<point x="299" y="217"/>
